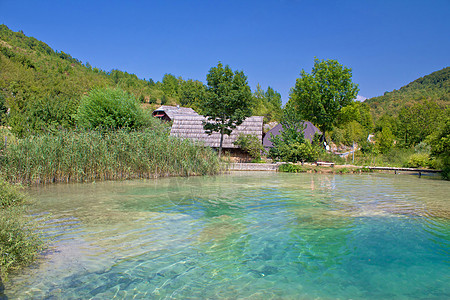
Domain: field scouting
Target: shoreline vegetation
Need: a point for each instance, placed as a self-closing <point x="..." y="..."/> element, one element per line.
<point x="21" y="241"/>
<point x="84" y="156"/>
<point x="349" y="169"/>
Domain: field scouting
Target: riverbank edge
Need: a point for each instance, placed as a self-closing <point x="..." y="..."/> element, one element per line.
<point x="325" y="169"/>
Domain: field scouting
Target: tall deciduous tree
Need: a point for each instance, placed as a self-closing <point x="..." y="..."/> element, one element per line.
<point x="319" y="96"/>
<point x="227" y="102"/>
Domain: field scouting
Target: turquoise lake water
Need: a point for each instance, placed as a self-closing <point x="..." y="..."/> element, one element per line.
<point x="243" y="235"/>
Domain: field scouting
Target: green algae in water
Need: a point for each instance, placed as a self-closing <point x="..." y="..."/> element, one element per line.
<point x="255" y="235"/>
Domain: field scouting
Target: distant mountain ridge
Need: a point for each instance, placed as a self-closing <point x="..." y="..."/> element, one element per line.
<point x="435" y="86"/>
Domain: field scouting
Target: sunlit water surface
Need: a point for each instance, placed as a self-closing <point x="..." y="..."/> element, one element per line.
<point x="244" y="235"/>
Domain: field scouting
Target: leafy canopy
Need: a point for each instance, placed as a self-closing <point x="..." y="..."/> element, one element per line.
<point x="109" y="109"/>
<point x="319" y="96"/>
<point x="227" y="102"/>
<point x="291" y="145"/>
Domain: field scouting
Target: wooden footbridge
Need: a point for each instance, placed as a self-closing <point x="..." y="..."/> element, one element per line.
<point x="396" y="170"/>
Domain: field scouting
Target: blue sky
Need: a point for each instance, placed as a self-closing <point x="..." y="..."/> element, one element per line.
<point x="386" y="43"/>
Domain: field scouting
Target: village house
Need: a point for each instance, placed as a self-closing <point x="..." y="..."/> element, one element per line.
<point x="169" y="113"/>
<point x="188" y="124"/>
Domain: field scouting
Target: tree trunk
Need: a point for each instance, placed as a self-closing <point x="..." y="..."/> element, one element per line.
<point x="221" y="142"/>
<point x="322" y="138"/>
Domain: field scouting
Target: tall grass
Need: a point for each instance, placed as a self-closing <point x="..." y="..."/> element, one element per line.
<point x="70" y="156"/>
<point x="20" y="242"/>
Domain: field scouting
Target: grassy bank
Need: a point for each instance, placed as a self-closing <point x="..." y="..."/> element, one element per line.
<point x="20" y="242"/>
<point x="70" y="156"/>
<point x="308" y="168"/>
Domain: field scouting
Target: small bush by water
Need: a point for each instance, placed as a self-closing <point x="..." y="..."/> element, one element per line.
<point x="20" y="241"/>
<point x="69" y="156"/>
<point x="291" y="168"/>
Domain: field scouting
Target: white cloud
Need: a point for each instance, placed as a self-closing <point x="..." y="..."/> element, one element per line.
<point x="360" y="98"/>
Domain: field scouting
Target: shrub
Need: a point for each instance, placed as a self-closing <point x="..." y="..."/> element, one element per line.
<point x="10" y="195"/>
<point x="384" y="140"/>
<point x="418" y="160"/>
<point x="20" y="242"/>
<point x="295" y="152"/>
<point x="291" y="168"/>
<point x="106" y="108"/>
<point x="250" y="144"/>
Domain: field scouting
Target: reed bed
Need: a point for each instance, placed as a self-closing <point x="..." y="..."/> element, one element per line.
<point x="74" y="156"/>
<point x="21" y="242"/>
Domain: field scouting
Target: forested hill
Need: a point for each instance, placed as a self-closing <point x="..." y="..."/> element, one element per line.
<point x="435" y="86"/>
<point x="41" y="87"/>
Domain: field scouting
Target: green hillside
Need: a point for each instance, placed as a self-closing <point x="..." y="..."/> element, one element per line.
<point x="41" y="88"/>
<point x="435" y="87"/>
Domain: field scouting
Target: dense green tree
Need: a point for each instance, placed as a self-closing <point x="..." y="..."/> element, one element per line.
<point x="321" y="95"/>
<point x="273" y="97"/>
<point x="354" y="123"/>
<point x="291" y="145"/>
<point x="227" y="102"/>
<point x="106" y="108"/>
<point x="170" y="85"/>
<point x="417" y="121"/>
<point x="384" y="140"/>
<point x="356" y="111"/>
<point x="267" y="104"/>
<point x="191" y="94"/>
<point x="439" y="142"/>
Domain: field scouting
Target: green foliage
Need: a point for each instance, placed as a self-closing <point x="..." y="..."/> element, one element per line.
<point x="3" y="108"/>
<point x="106" y="108"/>
<point x="250" y="144"/>
<point x="20" y="243"/>
<point x="417" y="121"/>
<point x="34" y="80"/>
<point x="10" y="195"/>
<point x="227" y="102"/>
<point x="191" y="94"/>
<point x="321" y="95"/>
<point x="359" y="112"/>
<point x="328" y="156"/>
<point x="170" y="85"/>
<point x="349" y="133"/>
<point x="439" y="142"/>
<point x="291" y="168"/>
<point x="291" y="145"/>
<point x="419" y="160"/>
<point x="384" y="140"/>
<point x="267" y="104"/>
<point x="295" y="152"/>
<point x="68" y="156"/>
<point x="395" y="157"/>
<point x="435" y="86"/>
<point x="163" y="100"/>
<point x="353" y="125"/>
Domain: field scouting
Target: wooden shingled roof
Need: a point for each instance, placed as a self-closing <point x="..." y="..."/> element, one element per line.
<point x="309" y="131"/>
<point x="174" y="111"/>
<point x="191" y="127"/>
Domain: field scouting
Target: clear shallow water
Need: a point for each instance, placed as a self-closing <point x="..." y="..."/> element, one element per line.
<point x="245" y="235"/>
